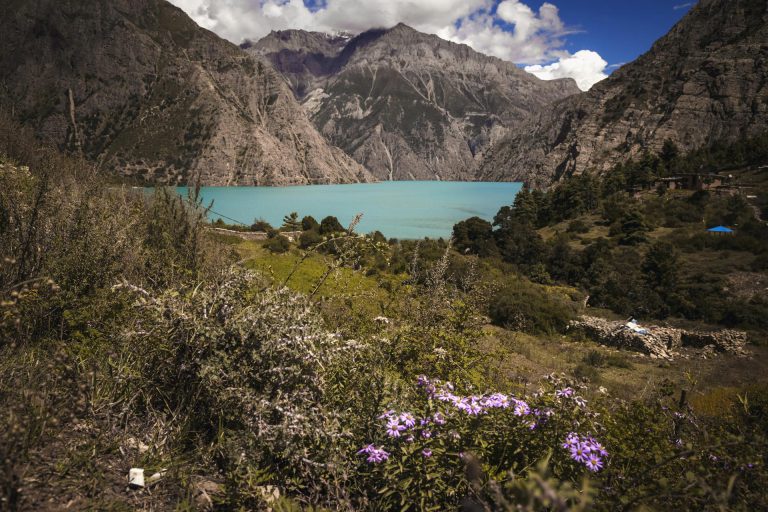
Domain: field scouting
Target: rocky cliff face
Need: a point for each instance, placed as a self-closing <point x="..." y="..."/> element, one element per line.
<point x="405" y="104"/>
<point x="136" y="85"/>
<point x="706" y="80"/>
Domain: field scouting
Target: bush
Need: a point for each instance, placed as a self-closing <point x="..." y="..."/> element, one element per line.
<point x="633" y="228"/>
<point x="528" y="309"/>
<point x="262" y="226"/>
<point x="330" y="225"/>
<point x="309" y="223"/>
<point x="277" y="244"/>
<point x="578" y="226"/>
<point x="435" y="449"/>
<point x="250" y="369"/>
<point x="309" y="239"/>
<point x="474" y="236"/>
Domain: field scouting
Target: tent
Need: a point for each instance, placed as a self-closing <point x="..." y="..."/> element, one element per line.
<point x="720" y="229"/>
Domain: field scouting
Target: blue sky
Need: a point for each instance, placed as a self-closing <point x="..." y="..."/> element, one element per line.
<point x="619" y="31"/>
<point x="579" y="39"/>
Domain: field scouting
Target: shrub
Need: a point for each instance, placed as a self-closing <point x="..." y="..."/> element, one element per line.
<point x="308" y="223"/>
<point x="435" y="449"/>
<point x="278" y="244"/>
<point x="309" y="239"/>
<point x="261" y="225"/>
<point x="578" y="226"/>
<point x="528" y="309"/>
<point x="633" y="228"/>
<point x="475" y="236"/>
<point x="248" y="368"/>
<point x="330" y="225"/>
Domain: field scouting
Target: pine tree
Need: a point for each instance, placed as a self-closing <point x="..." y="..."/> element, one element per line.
<point x="291" y="222"/>
<point x="525" y="209"/>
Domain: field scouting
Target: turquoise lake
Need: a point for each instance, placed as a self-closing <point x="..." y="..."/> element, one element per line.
<point x="399" y="209"/>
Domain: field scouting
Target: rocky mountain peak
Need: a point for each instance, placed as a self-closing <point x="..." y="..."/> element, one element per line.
<point x="410" y="105"/>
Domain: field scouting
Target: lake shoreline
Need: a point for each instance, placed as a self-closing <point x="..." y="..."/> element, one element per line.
<point x="410" y="210"/>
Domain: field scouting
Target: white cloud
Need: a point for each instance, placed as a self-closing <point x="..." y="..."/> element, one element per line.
<point x="585" y="66"/>
<point x="533" y="38"/>
<point x="511" y="31"/>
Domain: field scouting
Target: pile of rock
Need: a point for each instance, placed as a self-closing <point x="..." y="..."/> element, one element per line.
<point x="616" y="334"/>
<point x="659" y="342"/>
<point x="728" y="341"/>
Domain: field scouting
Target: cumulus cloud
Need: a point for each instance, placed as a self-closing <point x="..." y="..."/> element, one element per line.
<point x="511" y="30"/>
<point x="585" y="66"/>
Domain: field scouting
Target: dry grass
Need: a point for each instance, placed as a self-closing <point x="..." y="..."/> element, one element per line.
<point x="520" y="359"/>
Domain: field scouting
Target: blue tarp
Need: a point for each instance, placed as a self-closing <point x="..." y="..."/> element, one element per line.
<point x="720" y="229"/>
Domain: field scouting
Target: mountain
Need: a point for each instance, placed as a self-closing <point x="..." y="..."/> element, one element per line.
<point x="139" y="87"/>
<point x="706" y="80"/>
<point x="407" y="105"/>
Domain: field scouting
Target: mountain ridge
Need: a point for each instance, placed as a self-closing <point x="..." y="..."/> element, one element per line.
<point x="407" y="105"/>
<point x="703" y="81"/>
<point x="140" y="88"/>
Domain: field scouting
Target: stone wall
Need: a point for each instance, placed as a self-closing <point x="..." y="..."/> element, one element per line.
<point x="292" y="236"/>
<point x="659" y="342"/>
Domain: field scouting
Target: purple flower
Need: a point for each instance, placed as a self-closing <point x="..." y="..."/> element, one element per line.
<point x="426" y="434"/>
<point x="408" y="420"/>
<point x="410" y="438"/>
<point x="446" y="396"/>
<point x="580" y="453"/>
<point x="521" y="408"/>
<point x="426" y="452"/>
<point x="423" y="422"/>
<point x="594" y="446"/>
<point x="474" y="409"/>
<point x="565" y="392"/>
<point x="394" y="428"/>
<point x="496" y="401"/>
<point x="470" y="405"/>
<point x="366" y="449"/>
<point x="580" y="401"/>
<point x="593" y="462"/>
<point x="572" y="440"/>
<point x="388" y="415"/>
<point x="438" y="418"/>
<point x="428" y="385"/>
<point x="375" y="455"/>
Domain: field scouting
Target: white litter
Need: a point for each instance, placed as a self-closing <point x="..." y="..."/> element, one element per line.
<point x="136" y="478"/>
<point x="633" y="326"/>
<point x="156" y="477"/>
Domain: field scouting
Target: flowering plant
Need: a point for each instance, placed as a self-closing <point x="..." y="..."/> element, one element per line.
<point x="422" y="450"/>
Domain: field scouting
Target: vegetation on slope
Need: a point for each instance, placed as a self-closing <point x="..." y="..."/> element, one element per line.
<point x="641" y="251"/>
